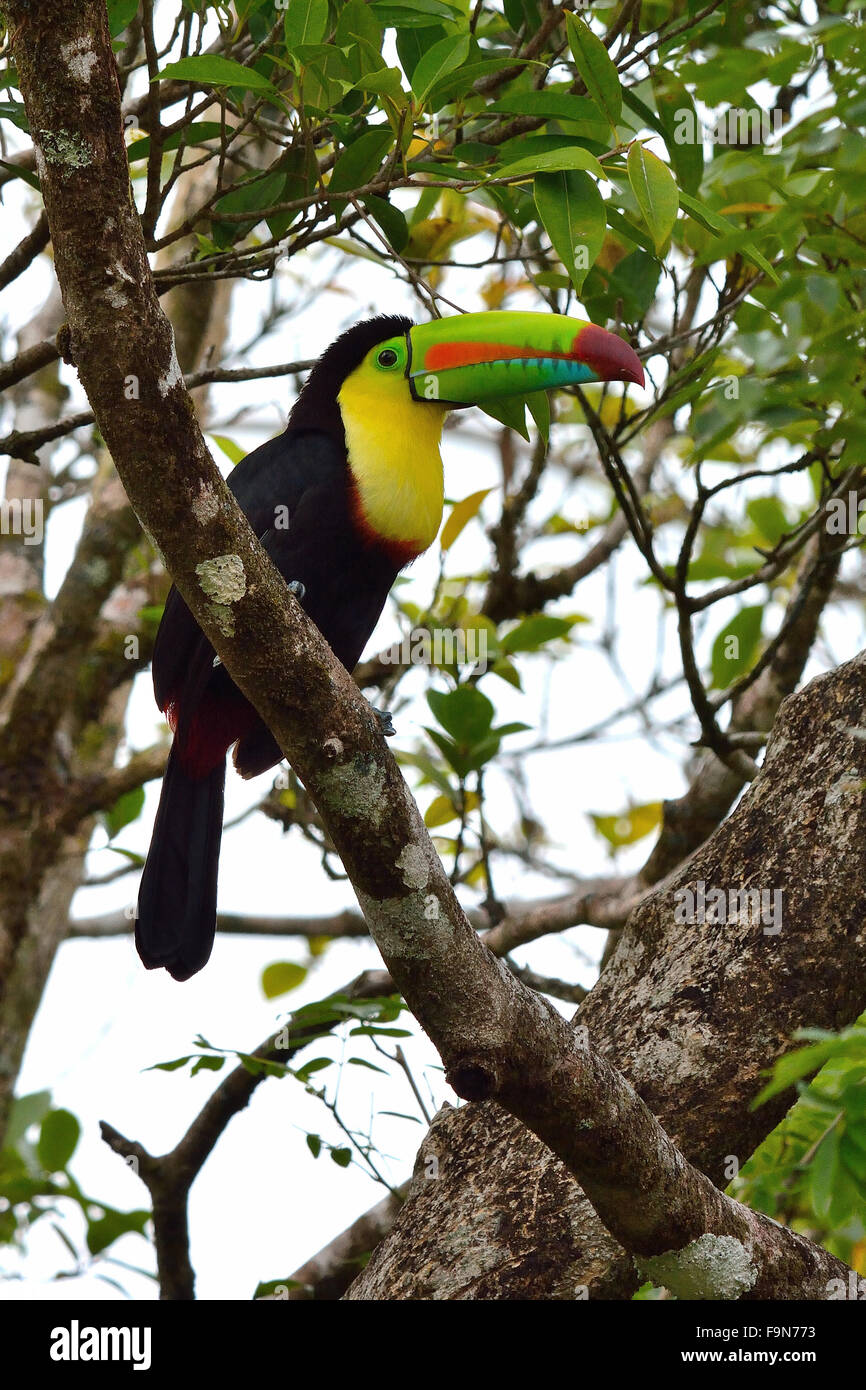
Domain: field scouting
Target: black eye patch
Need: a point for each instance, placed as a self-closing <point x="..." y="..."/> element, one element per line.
<point x="387" y="358"/>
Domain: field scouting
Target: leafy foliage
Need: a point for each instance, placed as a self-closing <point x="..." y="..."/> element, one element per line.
<point x="811" y="1171"/>
<point x="36" y="1184"/>
<point x="584" y="156"/>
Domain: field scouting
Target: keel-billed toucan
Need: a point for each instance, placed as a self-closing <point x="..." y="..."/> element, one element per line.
<point x="357" y="472"/>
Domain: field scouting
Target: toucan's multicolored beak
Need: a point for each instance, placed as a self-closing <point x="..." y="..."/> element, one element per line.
<point x="477" y="357"/>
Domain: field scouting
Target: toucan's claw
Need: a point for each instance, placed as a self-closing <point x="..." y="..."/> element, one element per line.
<point x="216" y="662"/>
<point x="297" y="588"/>
<point x="384" y="718"/>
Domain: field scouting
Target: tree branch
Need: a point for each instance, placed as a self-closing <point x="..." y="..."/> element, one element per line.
<point x="496" y="1037"/>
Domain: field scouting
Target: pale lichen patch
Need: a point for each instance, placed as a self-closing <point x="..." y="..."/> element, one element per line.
<point x="118" y="271"/>
<point x="711" y="1267"/>
<point x="97" y="571"/>
<point x="17" y="575"/>
<point x="357" y="788"/>
<point x="223" y="617"/>
<point x="399" y="925"/>
<point x="64" y="147"/>
<point x="173" y="377"/>
<point x="80" y="58"/>
<point x="205" y="504"/>
<point x="413" y="866"/>
<point x="223" y="578"/>
<point x="849" y="785"/>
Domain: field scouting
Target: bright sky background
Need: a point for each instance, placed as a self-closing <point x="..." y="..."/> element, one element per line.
<point x="262" y="1204"/>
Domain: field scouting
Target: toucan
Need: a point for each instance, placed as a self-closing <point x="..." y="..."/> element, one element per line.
<point x="347" y="496"/>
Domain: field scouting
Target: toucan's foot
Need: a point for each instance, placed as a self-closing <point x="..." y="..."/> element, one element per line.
<point x="216" y="661"/>
<point x="297" y="588"/>
<point x="384" y="718"/>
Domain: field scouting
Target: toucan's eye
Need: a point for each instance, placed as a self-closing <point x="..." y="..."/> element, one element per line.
<point x="387" y="357"/>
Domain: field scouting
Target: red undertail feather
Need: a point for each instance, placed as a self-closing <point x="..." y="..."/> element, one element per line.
<point x="216" y="724"/>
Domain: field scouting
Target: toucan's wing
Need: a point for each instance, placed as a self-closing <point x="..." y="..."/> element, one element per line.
<point x="269" y="484"/>
<point x="278" y="473"/>
<point x="345" y="584"/>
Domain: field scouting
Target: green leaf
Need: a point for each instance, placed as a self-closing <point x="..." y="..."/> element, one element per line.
<point x="631" y="825"/>
<point x="314" y="1144"/>
<point x="17" y="171"/>
<point x="769" y="517"/>
<point x="111" y="1225"/>
<point x="368" y="1030"/>
<point x="539" y="409"/>
<point x="853" y="1155"/>
<point x="251" y="196"/>
<point x="196" y="134"/>
<point x="460" y="516"/>
<point x="444" y="57"/>
<point x="533" y="632"/>
<point x="269" y="1287"/>
<point x="258" y="1066"/>
<point x="465" y="713"/>
<point x="232" y="451"/>
<point x="371" y="1066"/>
<point x="390" y="219"/>
<point x="459" y="83"/>
<point x="596" y="67"/>
<point x="824" y="1173"/>
<point x="207" y="1063"/>
<point x="58" y="1139"/>
<point x="210" y="70"/>
<point x="385" y="82"/>
<point x="639" y="108"/>
<point x="573" y="214"/>
<point x="507" y="671"/>
<point x="634" y="281"/>
<point x="408" y="14"/>
<point x="627" y="229"/>
<point x="440" y="811"/>
<point x="281" y="977"/>
<point x="342" y="1157"/>
<point x="735" y="647"/>
<point x="361" y="160"/>
<point x="358" y="21"/>
<point x="26" y="1111"/>
<point x="722" y="226"/>
<point x="170" y="1066"/>
<point x="509" y="411"/>
<point x="315" y="1064"/>
<point x="552" y="161"/>
<point x="120" y="14"/>
<point x="554" y="106"/>
<point x="655" y="190"/>
<point x="15" y="112"/>
<point x="687" y="156"/>
<point x="306" y="22"/>
<point x="793" y="1067"/>
<point x="125" y="810"/>
<point x="412" y="44"/>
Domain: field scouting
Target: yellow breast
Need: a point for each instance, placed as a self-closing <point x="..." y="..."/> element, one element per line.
<point x="393" y="446"/>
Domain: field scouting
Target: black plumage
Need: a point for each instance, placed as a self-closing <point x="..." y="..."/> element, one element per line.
<point x="346" y="576"/>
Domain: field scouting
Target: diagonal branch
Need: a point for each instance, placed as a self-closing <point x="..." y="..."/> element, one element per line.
<point x="496" y="1037"/>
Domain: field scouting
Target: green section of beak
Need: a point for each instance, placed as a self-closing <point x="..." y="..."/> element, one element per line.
<point x="480" y="357"/>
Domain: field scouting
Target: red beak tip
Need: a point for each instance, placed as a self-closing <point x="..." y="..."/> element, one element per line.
<point x="609" y="355"/>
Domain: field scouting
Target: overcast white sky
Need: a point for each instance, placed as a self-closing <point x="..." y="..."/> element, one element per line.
<point x="262" y="1204"/>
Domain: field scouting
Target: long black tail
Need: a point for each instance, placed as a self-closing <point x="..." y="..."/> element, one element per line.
<point x="176" y="919"/>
